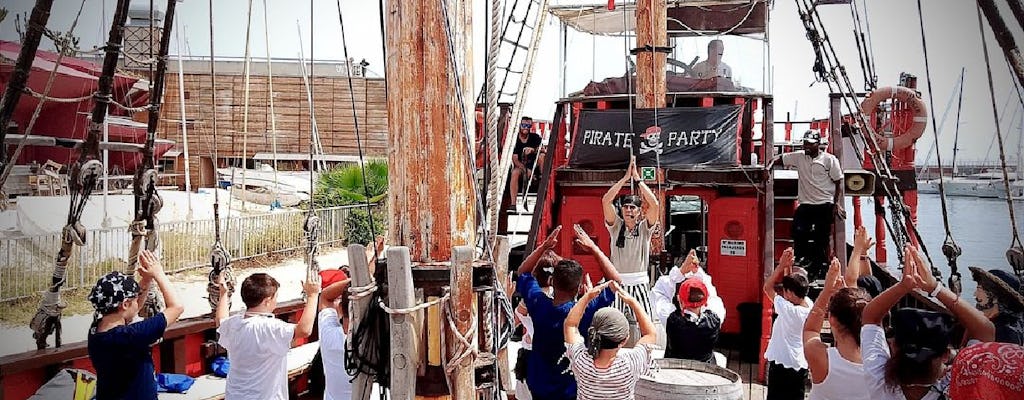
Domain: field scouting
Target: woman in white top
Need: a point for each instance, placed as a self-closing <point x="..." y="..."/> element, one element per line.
<point x="915" y="368"/>
<point x="833" y="368"/>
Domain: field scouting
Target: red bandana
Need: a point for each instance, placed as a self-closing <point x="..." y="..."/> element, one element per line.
<point x="992" y="371"/>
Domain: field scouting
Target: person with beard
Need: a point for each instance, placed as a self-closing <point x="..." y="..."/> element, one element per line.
<point x="998" y="296"/>
<point x="524" y="156"/>
<point x="819" y="195"/>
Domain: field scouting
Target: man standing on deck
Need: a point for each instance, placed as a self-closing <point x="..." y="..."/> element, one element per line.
<point x="524" y="156"/>
<point x="820" y="175"/>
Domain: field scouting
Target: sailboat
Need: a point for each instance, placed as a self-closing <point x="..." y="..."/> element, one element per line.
<point x="264" y="185"/>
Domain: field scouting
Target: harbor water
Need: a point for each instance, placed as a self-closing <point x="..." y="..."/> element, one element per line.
<point x="981" y="227"/>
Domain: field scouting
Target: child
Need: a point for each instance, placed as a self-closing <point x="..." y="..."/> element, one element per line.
<point x="542" y="273"/>
<point x="257" y="342"/>
<point x="548" y="376"/>
<point x="119" y="349"/>
<point x="692" y="330"/>
<point x="603" y="369"/>
<point x="332" y="327"/>
<point x="787" y="367"/>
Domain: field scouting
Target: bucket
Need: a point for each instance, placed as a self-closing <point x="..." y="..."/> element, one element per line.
<point x="688" y="379"/>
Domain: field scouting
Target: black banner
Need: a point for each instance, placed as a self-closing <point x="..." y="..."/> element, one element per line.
<point x="688" y="136"/>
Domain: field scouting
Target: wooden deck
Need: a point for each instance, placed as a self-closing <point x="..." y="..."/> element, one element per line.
<point x="752" y="389"/>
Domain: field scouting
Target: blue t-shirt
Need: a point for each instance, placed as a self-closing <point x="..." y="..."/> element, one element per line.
<point x="548" y="375"/>
<point x="123" y="359"/>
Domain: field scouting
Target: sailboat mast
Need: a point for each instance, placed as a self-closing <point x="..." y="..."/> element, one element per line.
<point x="956" y="130"/>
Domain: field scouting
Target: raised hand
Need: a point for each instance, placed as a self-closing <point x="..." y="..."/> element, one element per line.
<point x="834" y="277"/>
<point x="596" y="290"/>
<point x="861" y="240"/>
<point x="691" y="263"/>
<point x="312" y="285"/>
<point x="552" y="240"/>
<point x="911" y="276"/>
<point x="632" y="171"/>
<point x="786" y="261"/>
<point x="924" y="270"/>
<point x="149" y="264"/>
<point x="582" y="238"/>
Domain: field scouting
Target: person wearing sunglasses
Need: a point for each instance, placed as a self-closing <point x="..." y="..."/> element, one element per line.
<point x="631" y="229"/>
<point x="524" y="156"/>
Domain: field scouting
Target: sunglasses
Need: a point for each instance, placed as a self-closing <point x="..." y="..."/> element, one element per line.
<point x="525" y="126"/>
<point x="630" y="207"/>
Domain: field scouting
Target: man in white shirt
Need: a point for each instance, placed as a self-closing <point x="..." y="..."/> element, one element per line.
<point x="819" y="195"/>
<point x="712" y="67"/>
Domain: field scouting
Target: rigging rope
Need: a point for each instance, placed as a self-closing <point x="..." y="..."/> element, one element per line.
<point x="900" y="225"/>
<point x="949" y="247"/>
<point x="493" y="203"/>
<point x="1015" y="254"/>
<point x="84" y="175"/>
<point x="311" y="226"/>
<point x="147" y="200"/>
<point x="8" y="162"/>
<point x="220" y="258"/>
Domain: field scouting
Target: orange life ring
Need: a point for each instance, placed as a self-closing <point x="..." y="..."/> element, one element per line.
<point x="913" y="103"/>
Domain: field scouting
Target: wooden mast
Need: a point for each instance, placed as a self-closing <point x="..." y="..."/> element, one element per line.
<point x="432" y="207"/>
<point x="651" y="56"/>
<point x="651" y="36"/>
<point x="1003" y="36"/>
<point x="431" y="202"/>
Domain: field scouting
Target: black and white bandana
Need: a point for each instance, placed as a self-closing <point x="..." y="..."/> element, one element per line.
<point x="112" y="290"/>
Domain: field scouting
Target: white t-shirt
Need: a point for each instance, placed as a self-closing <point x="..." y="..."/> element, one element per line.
<point x="337" y="381"/>
<point x="874" y="352"/>
<point x="840" y="383"/>
<point x="818" y="176"/>
<point x="258" y="348"/>
<point x="617" y="382"/>
<point x="665" y="289"/>
<point x="786" y="345"/>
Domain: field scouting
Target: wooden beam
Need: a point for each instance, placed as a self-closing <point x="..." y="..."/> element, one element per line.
<point x="404" y="357"/>
<point x="650" y="65"/>
<point x="362" y="386"/>
<point x="462" y="378"/>
<point x="432" y="205"/>
<point x="836" y="138"/>
<point x="22" y="68"/>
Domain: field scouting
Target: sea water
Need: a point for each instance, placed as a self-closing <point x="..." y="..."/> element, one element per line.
<point x="981" y="227"/>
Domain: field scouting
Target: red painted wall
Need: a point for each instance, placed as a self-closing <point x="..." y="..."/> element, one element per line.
<point x="737" y="277"/>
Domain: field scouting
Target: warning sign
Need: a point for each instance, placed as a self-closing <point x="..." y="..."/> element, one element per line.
<point x="736" y="248"/>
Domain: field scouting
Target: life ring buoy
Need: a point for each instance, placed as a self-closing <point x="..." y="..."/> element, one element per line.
<point x="914" y="103"/>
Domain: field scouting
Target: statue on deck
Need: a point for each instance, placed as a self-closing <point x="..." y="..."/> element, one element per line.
<point x="713" y="67"/>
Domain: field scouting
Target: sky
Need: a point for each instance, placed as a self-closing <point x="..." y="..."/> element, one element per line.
<point x="951" y="30"/>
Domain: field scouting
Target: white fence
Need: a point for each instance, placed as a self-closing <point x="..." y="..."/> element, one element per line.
<point x="27" y="265"/>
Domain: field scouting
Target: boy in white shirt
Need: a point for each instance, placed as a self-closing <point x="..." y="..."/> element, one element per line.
<point x="257" y="342"/>
<point x="332" y="328"/>
<point x="787" y="367"/>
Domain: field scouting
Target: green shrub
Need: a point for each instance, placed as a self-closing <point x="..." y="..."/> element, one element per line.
<point x="357" y="225"/>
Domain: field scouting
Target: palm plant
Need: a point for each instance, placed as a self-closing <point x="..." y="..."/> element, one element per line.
<point x="345" y="185"/>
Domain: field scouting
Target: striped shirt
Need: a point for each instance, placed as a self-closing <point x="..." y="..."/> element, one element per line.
<point x="617" y="382"/>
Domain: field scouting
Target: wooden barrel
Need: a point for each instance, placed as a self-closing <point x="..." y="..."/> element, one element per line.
<point x="689" y="380"/>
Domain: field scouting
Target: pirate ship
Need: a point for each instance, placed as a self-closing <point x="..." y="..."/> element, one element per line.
<point x="432" y="320"/>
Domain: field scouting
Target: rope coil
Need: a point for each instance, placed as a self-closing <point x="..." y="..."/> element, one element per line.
<point x="410" y="310"/>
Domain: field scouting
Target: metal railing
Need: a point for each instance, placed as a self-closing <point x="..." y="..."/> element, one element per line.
<point x="27" y="264"/>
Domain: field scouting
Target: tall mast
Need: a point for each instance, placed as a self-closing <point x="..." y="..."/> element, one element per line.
<point x="651" y="43"/>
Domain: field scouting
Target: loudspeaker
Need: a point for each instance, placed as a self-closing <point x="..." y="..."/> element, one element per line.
<point x="858" y="182"/>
